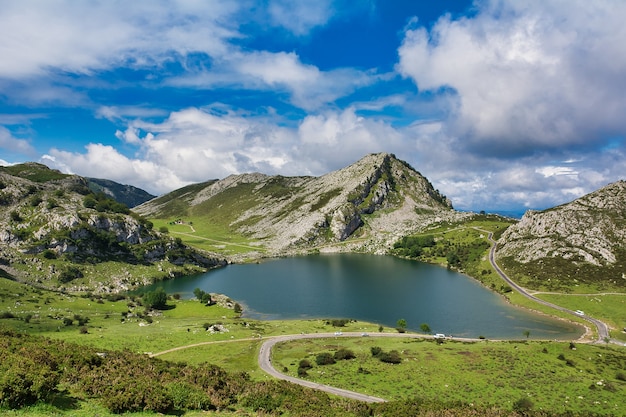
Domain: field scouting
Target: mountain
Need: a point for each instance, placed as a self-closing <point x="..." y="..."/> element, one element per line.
<point x="582" y="241"/>
<point x="126" y="194"/>
<point x="55" y="231"/>
<point x="377" y="199"/>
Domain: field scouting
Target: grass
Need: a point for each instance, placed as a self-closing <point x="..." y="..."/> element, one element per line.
<point x="483" y="373"/>
<point x="209" y="236"/>
<point x="553" y="375"/>
<point x="610" y="307"/>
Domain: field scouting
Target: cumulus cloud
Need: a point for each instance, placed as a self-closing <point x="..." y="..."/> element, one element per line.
<point x="194" y="145"/>
<point x="529" y="75"/>
<point x="13" y="144"/>
<point x="299" y="16"/>
<point x="86" y="36"/>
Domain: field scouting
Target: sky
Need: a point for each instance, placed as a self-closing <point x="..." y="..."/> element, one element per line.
<point x="504" y="105"/>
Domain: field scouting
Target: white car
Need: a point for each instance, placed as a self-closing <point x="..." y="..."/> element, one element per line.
<point x="580" y="312"/>
<point x="439" y="336"/>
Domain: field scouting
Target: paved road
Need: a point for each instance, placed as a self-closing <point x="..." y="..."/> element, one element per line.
<point x="603" y="330"/>
<point x="265" y="362"/>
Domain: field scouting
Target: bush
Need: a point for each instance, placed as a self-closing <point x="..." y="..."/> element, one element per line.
<point x="325" y="358"/>
<point x="390" y="357"/>
<point x="376" y="350"/>
<point x="339" y="322"/>
<point x="15" y="216"/>
<point x="156" y="299"/>
<point x="24" y="381"/>
<point x="49" y="254"/>
<point x="523" y="404"/>
<point x="188" y="397"/>
<point x="344" y="354"/>
<point x="305" y="364"/>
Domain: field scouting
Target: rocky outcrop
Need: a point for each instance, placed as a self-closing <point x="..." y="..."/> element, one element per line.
<point x="591" y="229"/>
<point x="48" y="215"/>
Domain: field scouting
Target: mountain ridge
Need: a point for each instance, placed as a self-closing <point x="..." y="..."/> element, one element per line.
<point x="377" y="195"/>
<point x="583" y="238"/>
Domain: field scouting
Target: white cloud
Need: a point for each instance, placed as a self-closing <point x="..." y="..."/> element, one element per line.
<point x="80" y="37"/>
<point x="13" y="144"/>
<point x="306" y="85"/>
<point x="299" y="16"/>
<point x="529" y="75"/>
<point x="194" y="145"/>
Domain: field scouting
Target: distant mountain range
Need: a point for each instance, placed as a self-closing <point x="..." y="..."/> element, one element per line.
<point x="365" y="207"/>
<point x="378" y="199"/>
<point x="126" y="194"/>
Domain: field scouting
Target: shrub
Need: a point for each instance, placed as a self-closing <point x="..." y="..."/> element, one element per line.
<point x="390" y="357"/>
<point x="376" y="350"/>
<point x="24" y="381"/>
<point x="305" y="364"/>
<point x="344" y="354"/>
<point x="523" y="404"/>
<point x="49" y="254"/>
<point x="15" y="216"/>
<point x="339" y="322"/>
<point x="69" y="274"/>
<point x="155" y="299"/>
<point x="325" y="358"/>
<point x="35" y="201"/>
<point x="188" y="397"/>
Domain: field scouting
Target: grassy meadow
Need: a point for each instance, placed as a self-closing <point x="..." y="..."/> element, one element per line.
<point x="557" y="377"/>
<point x="554" y="376"/>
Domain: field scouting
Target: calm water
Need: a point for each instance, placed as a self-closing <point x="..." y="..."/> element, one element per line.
<point x="378" y="289"/>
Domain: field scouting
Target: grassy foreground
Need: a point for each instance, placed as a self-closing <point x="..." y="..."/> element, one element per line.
<point x="560" y="377"/>
<point x="554" y="376"/>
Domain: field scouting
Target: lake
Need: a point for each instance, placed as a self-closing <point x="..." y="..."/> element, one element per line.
<point x="378" y="289"/>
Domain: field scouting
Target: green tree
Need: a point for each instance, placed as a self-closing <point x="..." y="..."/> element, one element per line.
<point x="204" y="297"/>
<point x="527" y="333"/>
<point x="156" y="299"/>
<point x="425" y="328"/>
<point x="401" y="325"/>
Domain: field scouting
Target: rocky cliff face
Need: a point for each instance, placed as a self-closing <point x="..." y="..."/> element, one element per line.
<point x="379" y="198"/>
<point x="591" y="229"/>
<point x="48" y="215"/>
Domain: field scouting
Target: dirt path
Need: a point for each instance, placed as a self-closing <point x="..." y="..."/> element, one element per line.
<point x="219" y="241"/>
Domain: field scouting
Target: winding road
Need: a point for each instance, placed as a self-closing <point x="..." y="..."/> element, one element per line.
<point x="603" y="330"/>
<point x="265" y="361"/>
<point x="265" y="352"/>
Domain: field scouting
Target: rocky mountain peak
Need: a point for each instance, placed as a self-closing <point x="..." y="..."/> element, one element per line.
<point x="590" y="229"/>
<point x="376" y="196"/>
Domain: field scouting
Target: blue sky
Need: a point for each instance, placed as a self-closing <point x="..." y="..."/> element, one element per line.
<point x="502" y="105"/>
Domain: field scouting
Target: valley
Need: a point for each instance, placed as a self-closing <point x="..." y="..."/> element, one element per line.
<point x="69" y="256"/>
